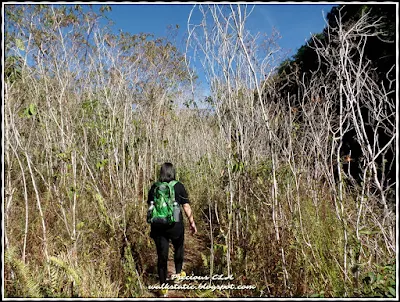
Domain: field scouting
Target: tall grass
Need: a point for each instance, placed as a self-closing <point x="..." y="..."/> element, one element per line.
<point x="79" y="161"/>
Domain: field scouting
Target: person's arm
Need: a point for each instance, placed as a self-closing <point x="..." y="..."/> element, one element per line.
<point x="189" y="214"/>
<point x="183" y="199"/>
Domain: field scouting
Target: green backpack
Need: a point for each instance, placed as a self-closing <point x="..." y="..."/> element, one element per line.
<point x="162" y="211"/>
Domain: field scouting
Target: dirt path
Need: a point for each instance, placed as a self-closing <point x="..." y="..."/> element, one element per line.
<point x="194" y="247"/>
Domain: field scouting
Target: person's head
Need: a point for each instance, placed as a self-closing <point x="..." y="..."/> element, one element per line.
<point x="167" y="172"/>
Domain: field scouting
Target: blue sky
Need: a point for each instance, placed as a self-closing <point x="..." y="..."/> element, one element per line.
<point x="295" y="22"/>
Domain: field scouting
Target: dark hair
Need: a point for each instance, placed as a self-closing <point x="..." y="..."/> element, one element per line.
<point x="167" y="172"/>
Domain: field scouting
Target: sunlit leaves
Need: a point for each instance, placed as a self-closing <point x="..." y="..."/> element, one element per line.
<point x="101" y="164"/>
<point x="20" y="44"/>
<point x="29" y="111"/>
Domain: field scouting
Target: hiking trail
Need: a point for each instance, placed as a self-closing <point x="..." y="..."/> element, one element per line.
<point x="194" y="245"/>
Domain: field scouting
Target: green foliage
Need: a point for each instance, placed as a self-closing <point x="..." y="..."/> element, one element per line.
<point x="30" y="111"/>
<point x="132" y="280"/>
<point x="64" y="156"/>
<point x="90" y="106"/>
<point x="101" y="164"/>
<point x="318" y="295"/>
<point x="20" y="44"/>
<point x="104" y="213"/>
<point x="381" y="282"/>
<point x="13" y="68"/>
<point x="237" y="166"/>
<point x="62" y="275"/>
<point x="205" y="260"/>
<point x="321" y="229"/>
<point x="22" y="283"/>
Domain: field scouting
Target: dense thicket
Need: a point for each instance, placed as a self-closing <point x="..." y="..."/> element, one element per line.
<point x="90" y="115"/>
<point x="378" y="51"/>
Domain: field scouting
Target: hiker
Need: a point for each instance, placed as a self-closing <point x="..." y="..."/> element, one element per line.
<point x="166" y="226"/>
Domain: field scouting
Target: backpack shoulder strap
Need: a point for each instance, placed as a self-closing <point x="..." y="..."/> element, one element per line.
<point x="171" y="185"/>
<point x="173" y="182"/>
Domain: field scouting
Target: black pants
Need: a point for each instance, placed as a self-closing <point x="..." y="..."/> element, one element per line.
<point x="161" y="240"/>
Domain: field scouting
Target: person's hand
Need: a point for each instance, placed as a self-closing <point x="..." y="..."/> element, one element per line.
<point x="193" y="228"/>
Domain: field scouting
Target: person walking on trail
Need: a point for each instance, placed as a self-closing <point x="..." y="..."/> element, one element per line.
<point x="165" y="199"/>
